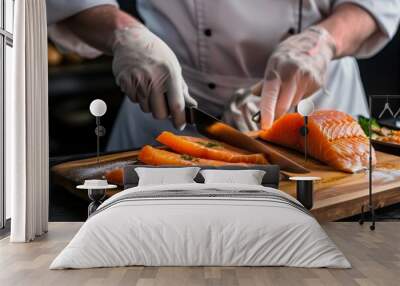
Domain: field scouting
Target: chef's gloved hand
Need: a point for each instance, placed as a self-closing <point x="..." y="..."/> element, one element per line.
<point x="296" y="69"/>
<point x="148" y="71"/>
<point x="242" y="107"/>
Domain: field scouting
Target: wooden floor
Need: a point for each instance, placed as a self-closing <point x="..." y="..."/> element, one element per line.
<point x="375" y="257"/>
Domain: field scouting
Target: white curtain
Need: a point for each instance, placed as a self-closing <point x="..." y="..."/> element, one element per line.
<point x="26" y="146"/>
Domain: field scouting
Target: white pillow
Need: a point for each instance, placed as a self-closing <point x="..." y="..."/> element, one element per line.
<point x="166" y="176"/>
<point x="246" y="177"/>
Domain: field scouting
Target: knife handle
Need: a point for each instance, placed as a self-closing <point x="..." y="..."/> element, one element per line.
<point x="256" y="118"/>
<point x="189" y="115"/>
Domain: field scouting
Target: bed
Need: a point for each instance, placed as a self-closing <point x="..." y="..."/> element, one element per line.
<point x="201" y="224"/>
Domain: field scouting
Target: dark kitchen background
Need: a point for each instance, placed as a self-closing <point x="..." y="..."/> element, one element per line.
<point x="74" y="83"/>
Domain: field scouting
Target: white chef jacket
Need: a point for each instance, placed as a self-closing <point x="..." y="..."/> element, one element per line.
<point x="224" y="45"/>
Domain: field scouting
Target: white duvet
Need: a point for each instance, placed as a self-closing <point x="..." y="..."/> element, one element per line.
<point x="200" y="231"/>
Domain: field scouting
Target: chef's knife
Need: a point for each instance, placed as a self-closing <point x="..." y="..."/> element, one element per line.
<point x="211" y="127"/>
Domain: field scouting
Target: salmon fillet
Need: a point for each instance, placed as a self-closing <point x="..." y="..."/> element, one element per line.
<point x="153" y="156"/>
<point x="208" y="149"/>
<point x="334" y="138"/>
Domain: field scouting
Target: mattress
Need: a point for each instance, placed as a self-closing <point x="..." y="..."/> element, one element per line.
<point x="201" y="225"/>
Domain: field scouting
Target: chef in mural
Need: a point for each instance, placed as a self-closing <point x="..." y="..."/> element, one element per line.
<point x="200" y="52"/>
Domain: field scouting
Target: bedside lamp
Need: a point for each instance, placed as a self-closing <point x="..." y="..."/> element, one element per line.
<point x="98" y="108"/>
<point x="97" y="188"/>
<point x="305" y="108"/>
<point x="304" y="185"/>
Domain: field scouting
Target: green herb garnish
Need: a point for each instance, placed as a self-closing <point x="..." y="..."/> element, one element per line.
<point x="189" y="158"/>
<point x="364" y="123"/>
<point x="209" y="144"/>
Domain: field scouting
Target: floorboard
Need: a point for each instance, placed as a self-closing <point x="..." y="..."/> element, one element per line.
<point x="375" y="257"/>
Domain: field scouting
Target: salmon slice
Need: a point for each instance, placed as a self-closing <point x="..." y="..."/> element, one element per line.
<point x="334" y="138"/>
<point x="208" y="149"/>
<point x="115" y="176"/>
<point x="153" y="156"/>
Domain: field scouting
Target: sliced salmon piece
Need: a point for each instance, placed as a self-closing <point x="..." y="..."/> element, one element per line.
<point x="334" y="138"/>
<point x="153" y="156"/>
<point x="208" y="149"/>
<point x="115" y="176"/>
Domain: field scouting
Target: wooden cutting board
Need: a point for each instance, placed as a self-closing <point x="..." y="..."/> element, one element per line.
<point x="337" y="195"/>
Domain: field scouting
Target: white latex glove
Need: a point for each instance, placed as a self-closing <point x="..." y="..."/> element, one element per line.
<point x="148" y="71"/>
<point x="296" y="69"/>
<point x="240" y="110"/>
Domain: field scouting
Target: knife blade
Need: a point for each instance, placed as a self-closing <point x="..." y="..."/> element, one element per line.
<point x="211" y="127"/>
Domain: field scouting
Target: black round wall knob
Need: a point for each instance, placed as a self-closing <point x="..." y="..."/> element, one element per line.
<point x="100" y="131"/>
<point x="303" y="131"/>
